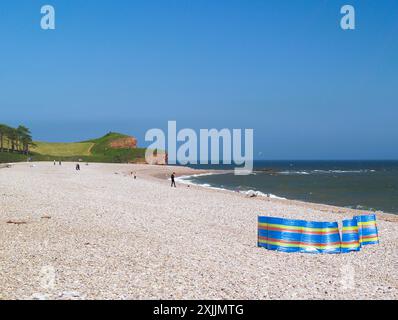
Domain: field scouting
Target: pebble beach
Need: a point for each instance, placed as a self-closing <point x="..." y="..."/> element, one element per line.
<point x="99" y="233"/>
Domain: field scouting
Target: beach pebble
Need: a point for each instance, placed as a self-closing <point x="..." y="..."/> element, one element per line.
<point x="115" y="238"/>
<point x="39" y="296"/>
<point x="69" y="295"/>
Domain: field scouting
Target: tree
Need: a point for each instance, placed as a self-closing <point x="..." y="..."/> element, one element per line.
<point x="4" y="129"/>
<point x="19" y="139"/>
<point x="24" y="139"/>
<point x="12" y="136"/>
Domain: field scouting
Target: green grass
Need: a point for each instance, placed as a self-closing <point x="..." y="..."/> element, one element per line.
<point x="96" y="150"/>
<point x="6" y="157"/>
<point x="104" y="153"/>
<point x="63" y="149"/>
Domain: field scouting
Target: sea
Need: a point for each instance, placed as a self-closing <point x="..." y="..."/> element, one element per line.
<point x="364" y="185"/>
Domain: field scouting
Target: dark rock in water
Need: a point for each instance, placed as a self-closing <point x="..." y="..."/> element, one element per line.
<point x="251" y="194"/>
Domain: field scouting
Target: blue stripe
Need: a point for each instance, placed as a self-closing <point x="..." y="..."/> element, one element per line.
<point x="350" y="235"/>
<point x="367" y="231"/>
<point x="306" y="239"/>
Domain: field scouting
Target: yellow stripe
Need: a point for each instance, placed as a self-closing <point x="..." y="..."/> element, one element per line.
<point x="350" y="228"/>
<point x="368" y="223"/>
<point x="298" y="227"/>
<point x="369" y="240"/>
<point x="347" y="246"/>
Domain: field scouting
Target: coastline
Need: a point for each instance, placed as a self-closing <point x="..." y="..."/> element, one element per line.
<point x="332" y="208"/>
<point x="105" y="235"/>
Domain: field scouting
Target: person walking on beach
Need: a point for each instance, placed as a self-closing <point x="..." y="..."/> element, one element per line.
<point x="78" y="167"/>
<point x="173" y="182"/>
<point x="54" y="162"/>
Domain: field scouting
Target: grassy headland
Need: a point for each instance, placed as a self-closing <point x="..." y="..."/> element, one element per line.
<point x="63" y="149"/>
<point x="95" y="150"/>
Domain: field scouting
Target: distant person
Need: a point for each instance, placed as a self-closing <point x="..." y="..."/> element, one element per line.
<point x="173" y="182"/>
<point x="54" y="162"/>
<point x="77" y="167"/>
<point x="60" y="163"/>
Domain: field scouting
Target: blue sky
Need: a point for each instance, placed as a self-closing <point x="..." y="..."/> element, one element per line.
<point x="284" y="68"/>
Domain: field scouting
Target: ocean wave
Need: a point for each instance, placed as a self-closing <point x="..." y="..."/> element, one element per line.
<point x="261" y="194"/>
<point x="293" y="172"/>
<point x="187" y="180"/>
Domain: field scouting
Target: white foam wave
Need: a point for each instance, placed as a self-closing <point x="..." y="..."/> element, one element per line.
<point x="187" y="180"/>
<point x="324" y="172"/>
<point x="294" y="172"/>
<point x="261" y="194"/>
